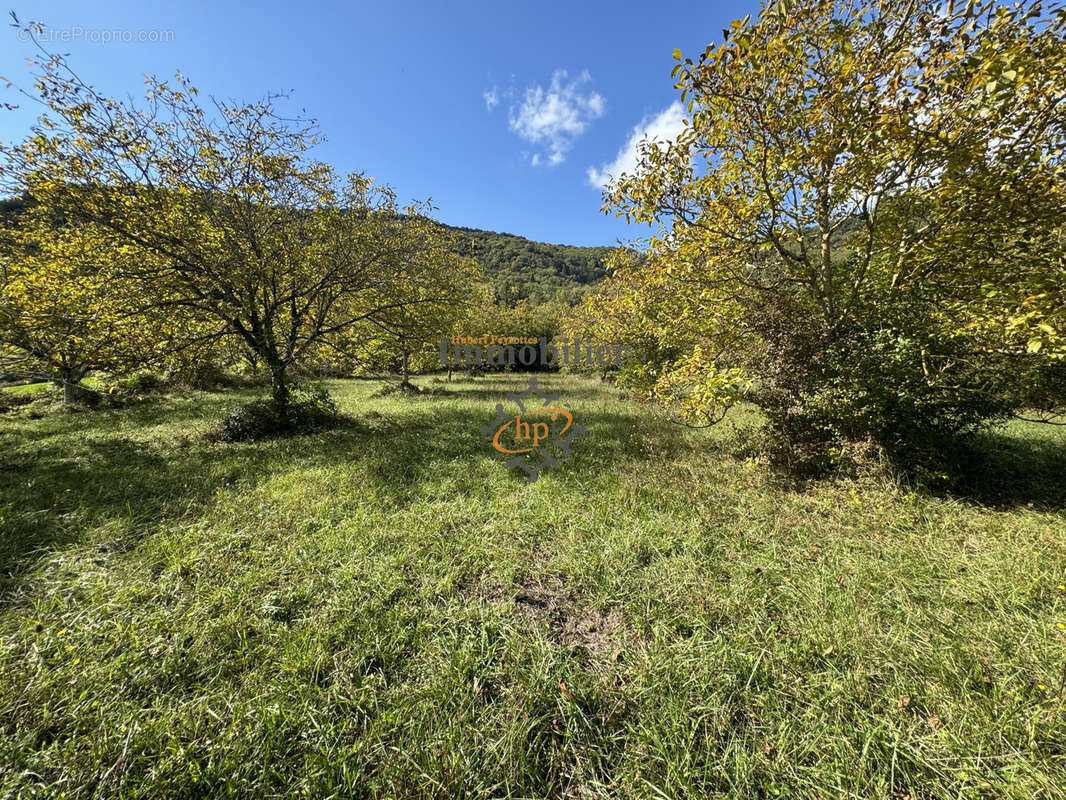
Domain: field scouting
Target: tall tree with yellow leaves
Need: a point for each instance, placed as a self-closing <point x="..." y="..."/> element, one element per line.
<point x="860" y="227"/>
<point x="67" y="305"/>
<point x="243" y="230"/>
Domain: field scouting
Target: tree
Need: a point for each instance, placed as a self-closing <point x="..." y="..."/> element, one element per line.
<point x="237" y="224"/>
<point x="441" y="286"/>
<point x="860" y="226"/>
<point x="65" y="306"/>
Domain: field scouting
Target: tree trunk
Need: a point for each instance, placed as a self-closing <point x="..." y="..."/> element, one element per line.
<point x="68" y="391"/>
<point x="70" y="377"/>
<point x="404" y="367"/>
<point x="279" y="388"/>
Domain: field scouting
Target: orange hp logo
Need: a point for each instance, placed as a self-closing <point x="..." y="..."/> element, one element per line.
<point x="540" y="430"/>
<point x="548" y="430"/>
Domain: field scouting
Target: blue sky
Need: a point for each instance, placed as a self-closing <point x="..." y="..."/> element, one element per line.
<point x="504" y="113"/>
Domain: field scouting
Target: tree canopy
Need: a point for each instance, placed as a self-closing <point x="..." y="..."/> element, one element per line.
<point x="860" y="227"/>
<point x="216" y="211"/>
<point x="521" y="269"/>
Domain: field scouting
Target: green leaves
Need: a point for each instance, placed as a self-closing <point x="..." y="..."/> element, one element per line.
<point x="215" y="215"/>
<point x="851" y="172"/>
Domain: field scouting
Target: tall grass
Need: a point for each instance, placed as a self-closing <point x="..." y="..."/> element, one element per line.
<point x="385" y="610"/>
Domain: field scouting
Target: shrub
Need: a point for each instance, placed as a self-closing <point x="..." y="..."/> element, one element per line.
<point x="249" y="421"/>
<point x="204" y="375"/>
<point x="872" y="385"/>
<point x="311" y="406"/>
<point x="139" y="383"/>
<point x="9" y="401"/>
<point x="308" y="407"/>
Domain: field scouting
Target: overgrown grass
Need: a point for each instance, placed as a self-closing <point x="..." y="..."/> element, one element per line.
<point x="385" y="610"/>
<point x="25" y="388"/>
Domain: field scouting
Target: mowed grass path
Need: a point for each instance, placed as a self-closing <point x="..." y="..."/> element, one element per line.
<point x="385" y="610"/>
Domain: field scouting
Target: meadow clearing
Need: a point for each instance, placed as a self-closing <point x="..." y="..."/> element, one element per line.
<point x="384" y="609"/>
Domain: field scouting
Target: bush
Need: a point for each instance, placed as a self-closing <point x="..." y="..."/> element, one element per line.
<point x="309" y="407"/>
<point x="872" y="386"/>
<point x="9" y="401"/>
<point x="139" y="383"/>
<point x="203" y="375"/>
<point x="249" y="421"/>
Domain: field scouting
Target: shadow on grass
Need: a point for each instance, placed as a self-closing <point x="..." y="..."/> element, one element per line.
<point x="497" y="390"/>
<point x="55" y="497"/>
<point x="58" y="488"/>
<point x="400" y="453"/>
<point x="1006" y="469"/>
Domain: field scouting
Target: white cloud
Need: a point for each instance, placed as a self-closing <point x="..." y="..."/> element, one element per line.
<point x="662" y="128"/>
<point x="556" y="116"/>
<point x="492" y="97"/>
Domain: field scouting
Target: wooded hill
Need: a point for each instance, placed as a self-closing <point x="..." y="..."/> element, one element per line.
<point x="517" y="267"/>
<point x="520" y="268"/>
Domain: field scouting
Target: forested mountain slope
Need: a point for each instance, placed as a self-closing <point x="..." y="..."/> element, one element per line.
<point x="521" y="268"/>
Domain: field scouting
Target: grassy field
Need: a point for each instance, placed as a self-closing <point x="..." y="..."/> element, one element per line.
<point x="25" y="388"/>
<point x="385" y="610"/>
